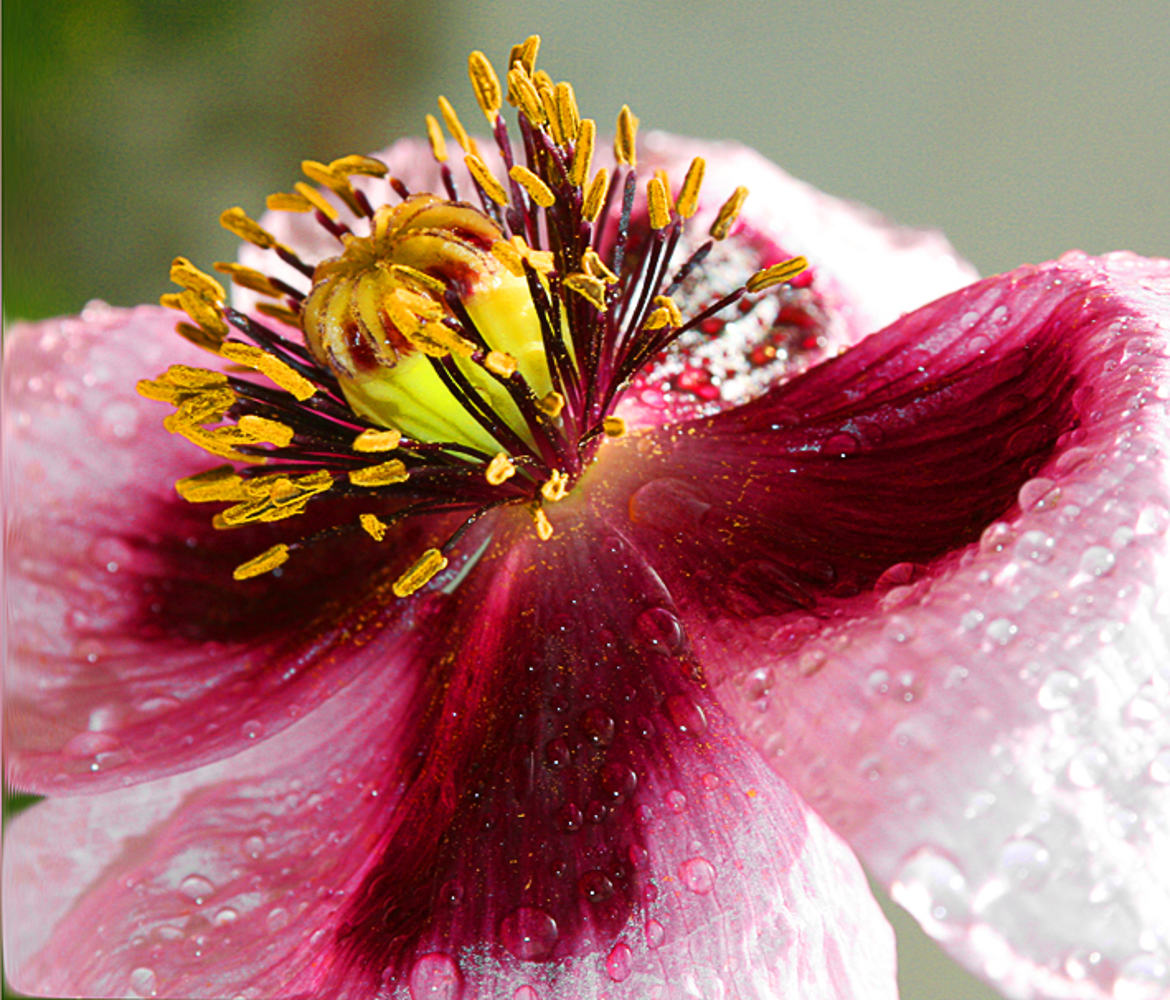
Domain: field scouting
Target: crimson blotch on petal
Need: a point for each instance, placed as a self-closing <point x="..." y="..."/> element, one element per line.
<point x="566" y="543"/>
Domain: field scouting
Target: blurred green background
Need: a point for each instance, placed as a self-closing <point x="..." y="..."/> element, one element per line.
<point x="1020" y="129"/>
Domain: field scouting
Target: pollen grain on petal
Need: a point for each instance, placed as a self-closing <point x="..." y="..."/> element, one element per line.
<point x="499" y="469"/>
<point x="373" y="526"/>
<point x="556" y="487"/>
<point x="544" y="528"/>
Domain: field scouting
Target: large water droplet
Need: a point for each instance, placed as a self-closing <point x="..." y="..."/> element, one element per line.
<point x="529" y="933"/>
<point x="617" y="781"/>
<point x="598" y="726"/>
<point x="1096" y="561"/>
<point x="668" y="504"/>
<point x="661" y="627"/>
<point x="435" y="976"/>
<point x="619" y="963"/>
<point x="1058" y="691"/>
<point x="686" y="716"/>
<point x="1036" y="546"/>
<point x="196" y="888"/>
<point x="595" y="886"/>
<point x="698" y="875"/>
<point x="525" y="993"/>
<point x="933" y="888"/>
<point x="144" y="982"/>
<point x="655" y="934"/>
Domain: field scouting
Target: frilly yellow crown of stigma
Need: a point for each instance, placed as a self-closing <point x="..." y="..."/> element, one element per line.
<point x="449" y="357"/>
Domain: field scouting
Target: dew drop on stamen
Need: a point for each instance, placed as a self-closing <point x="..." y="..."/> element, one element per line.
<point x="698" y="875"/>
<point x="435" y="976"/>
<point x="529" y="933"/>
<point x="619" y="962"/>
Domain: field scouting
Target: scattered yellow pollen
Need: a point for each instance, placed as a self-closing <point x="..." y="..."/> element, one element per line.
<point x="317" y="200"/>
<point x="522" y="93"/>
<point x="247" y="277"/>
<point x="282" y="314"/>
<point x="375" y="440"/>
<point x="583" y="154"/>
<point x="236" y="222"/>
<point x="499" y="469"/>
<point x="537" y="190"/>
<point x="186" y="274"/>
<point x="524" y="54"/>
<point x="589" y="288"/>
<point x="556" y="487"/>
<point x="659" y="207"/>
<point x="614" y="427"/>
<point x="263" y="429"/>
<point x="266" y="562"/>
<point x="355" y="163"/>
<point x="373" y="526"/>
<point x="623" y="140"/>
<point x="777" y="274"/>
<point x="454" y="125"/>
<point x="383" y="474"/>
<point x="567" y="114"/>
<point x="435" y="137"/>
<point x="728" y="213"/>
<point x="486" y="85"/>
<point x="485" y="179"/>
<point x="595" y="267"/>
<point x="595" y="195"/>
<point x="552" y="404"/>
<point x="287" y="201"/>
<point x="500" y="364"/>
<point x="220" y="483"/>
<point x="688" y="195"/>
<point x="421" y="573"/>
<point x="267" y="364"/>
<point x="544" y="528"/>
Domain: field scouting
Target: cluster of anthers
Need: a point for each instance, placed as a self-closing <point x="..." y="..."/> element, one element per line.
<point x="451" y="358"/>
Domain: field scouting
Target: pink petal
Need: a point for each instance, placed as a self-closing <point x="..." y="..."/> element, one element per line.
<point x="988" y="719"/>
<point x="131" y="653"/>
<point x="562" y="812"/>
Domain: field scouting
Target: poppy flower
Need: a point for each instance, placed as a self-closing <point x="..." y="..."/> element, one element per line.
<point x="580" y="568"/>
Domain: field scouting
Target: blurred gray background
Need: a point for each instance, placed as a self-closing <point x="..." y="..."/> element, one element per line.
<point x="1020" y="129"/>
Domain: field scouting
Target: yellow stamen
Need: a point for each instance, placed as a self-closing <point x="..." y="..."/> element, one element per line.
<point x="499" y="469"/>
<point x="524" y="54"/>
<point x="267" y="364"/>
<point x="552" y="114"/>
<point x="589" y="288"/>
<point x="263" y="429"/>
<point x="595" y="267"/>
<point x="384" y="474"/>
<point x="317" y="200"/>
<point x="777" y="274"/>
<point x="522" y="93"/>
<point x="500" y="364"/>
<point x="266" y="562"/>
<point x="485" y="179"/>
<point x="544" y="528"/>
<point x="568" y="116"/>
<point x="205" y="314"/>
<point x="421" y="573"/>
<point x="556" y="487"/>
<point x="552" y="404"/>
<point x="657" y="203"/>
<point x="595" y="195"/>
<point x="236" y="222"/>
<point x="614" y="427"/>
<point x="209" y="340"/>
<point x="435" y="137"/>
<point x="220" y="483"/>
<point x="247" y="277"/>
<point x="282" y="314"/>
<point x="373" y="526"/>
<point x="338" y="183"/>
<point x="454" y="125"/>
<point x="537" y="190"/>
<point x="583" y="154"/>
<point x="287" y="201"/>
<point x="672" y="310"/>
<point x="728" y="213"/>
<point x="623" y="141"/>
<point x="355" y="163"/>
<point x="186" y="274"/>
<point x="375" y="440"/>
<point x="486" y="85"/>
<point x="688" y="196"/>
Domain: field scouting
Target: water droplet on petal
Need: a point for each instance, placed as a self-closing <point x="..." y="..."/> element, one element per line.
<point x="1058" y="690"/>
<point x="254" y="846"/>
<point x="595" y="886"/>
<point x="226" y="916"/>
<point x="1096" y="561"/>
<point x="529" y="933"/>
<point x="144" y="982"/>
<point x="686" y="716"/>
<point x="1037" y="546"/>
<point x="1001" y="631"/>
<point x="196" y="888"/>
<point x="619" y="962"/>
<point x="556" y="753"/>
<point x="1143" y="977"/>
<point x="598" y="726"/>
<point x="525" y="993"/>
<point x="655" y="934"/>
<point x="435" y="976"/>
<point x="618" y="781"/>
<point x="698" y="875"/>
<point x="278" y="918"/>
<point x="1024" y="862"/>
<point x="118" y="421"/>
<point x="662" y="628"/>
<point x="933" y="888"/>
<point x="1089" y="766"/>
<point x="997" y="536"/>
<point x="252" y="729"/>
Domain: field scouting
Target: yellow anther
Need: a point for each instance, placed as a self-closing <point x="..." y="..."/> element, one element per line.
<point x="597" y="268"/>
<point x="688" y="196"/>
<point x="522" y="93"/>
<point x="420" y="574"/>
<point x="276" y="370"/>
<point x="437" y="340"/>
<point x="288" y="201"/>
<point x="355" y="163"/>
<point x="184" y="273"/>
<point x="486" y="85"/>
<point x="326" y="176"/>
<point x="583" y="153"/>
<point x="435" y="137"/>
<point x="524" y="54"/>
<point x="206" y="339"/>
<point x="537" y="190"/>
<point x="485" y="179"/>
<point x="551" y="404"/>
<point x="236" y="222"/>
<point x="419" y="278"/>
<point x="205" y="314"/>
<point x="589" y="288"/>
<point x="372" y="439"/>
<point x="373" y="526"/>
<point x="499" y="469"/>
<point x="454" y="125"/>
<point x="556" y="487"/>
<point x="657" y="319"/>
<point x="614" y="427"/>
<point x="777" y="274"/>
<point x="595" y="195"/>
<point x="624" y="139"/>
<point x="568" y="116"/>
<point x="316" y="199"/>
<point x="247" y="277"/>
<point x="202" y="406"/>
<point x="509" y="256"/>
<point x="672" y="310"/>
<point x="543" y="82"/>
<point x="384" y="474"/>
<point x="500" y="363"/>
<point x="263" y="429"/>
<point x="544" y="528"/>
<point x="266" y="562"/>
<point x="282" y="314"/>
<point x="548" y="101"/>
<point x="220" y="442"/>
<point x="657" y="203"/>
<point x="179" y="380"/>
<point x="220" y="483"/>
<point x="728" y="213"/>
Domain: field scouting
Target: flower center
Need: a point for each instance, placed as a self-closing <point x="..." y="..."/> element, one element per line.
<point x="448" y="359"/>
